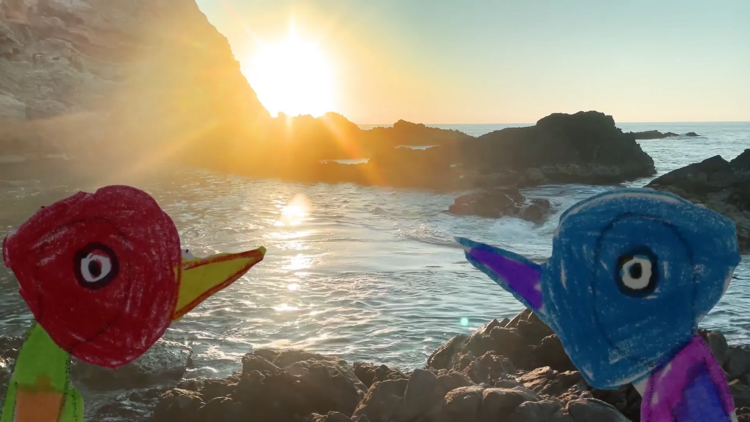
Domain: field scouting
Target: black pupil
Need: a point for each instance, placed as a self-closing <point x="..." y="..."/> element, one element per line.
<point x="635" y="270"/>
<point x="95" y="268"/>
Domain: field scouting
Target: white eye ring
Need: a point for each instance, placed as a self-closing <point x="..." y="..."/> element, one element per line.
<point x="103" y="263"/>
<point x="636" y="272"/>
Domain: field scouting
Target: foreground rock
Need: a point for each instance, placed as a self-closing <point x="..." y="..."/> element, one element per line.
<point x="501" y="202"/>
<point x="272" y="386"/>
<point x="719" y="185"/>
<point x="510" y="370"/>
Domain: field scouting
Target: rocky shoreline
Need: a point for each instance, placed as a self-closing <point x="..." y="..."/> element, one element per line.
<point x="512" y="370"/>
<point x="721" y="185"/>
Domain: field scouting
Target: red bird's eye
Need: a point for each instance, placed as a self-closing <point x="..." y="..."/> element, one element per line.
<point x="99" y="272"/>
<point x="95" y="266"/>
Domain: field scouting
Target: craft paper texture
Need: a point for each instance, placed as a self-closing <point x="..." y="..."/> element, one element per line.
<point x="631" y="275"/>
<point x="104" y="276"/>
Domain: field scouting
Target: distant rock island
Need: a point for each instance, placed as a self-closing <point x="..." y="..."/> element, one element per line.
<point x="655" y="134"/>
<point x="584" y="147"/>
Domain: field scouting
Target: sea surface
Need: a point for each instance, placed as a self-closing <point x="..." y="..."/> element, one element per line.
<point x="366" y="273"/>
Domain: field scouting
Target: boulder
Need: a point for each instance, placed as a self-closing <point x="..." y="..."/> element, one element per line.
<point x="369" y="373"/>
<point x="462" y="404"/>
<point x="537" y="211"/>
<point x="421" y="394"/>
<point x="444" y="357"/>
<point x="592" y="410"/>
<point x="544" y="410"/>
<point x="498" y="403"/>
<point x="549" y="382"/>
<point x="719" y="185"/>
<point x="625" y="399"/>
<point x="501" y="202"/>
<point x="382" y="401"/>
<point x="737" y="361"/>
<point x="177" y="405"/>
<point x="493" y="203"/>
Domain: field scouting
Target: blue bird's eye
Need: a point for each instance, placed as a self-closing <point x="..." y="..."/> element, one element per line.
<point x="636" y="273"/>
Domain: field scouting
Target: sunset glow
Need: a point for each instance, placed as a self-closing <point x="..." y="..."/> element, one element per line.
<point x="293" y="77"/>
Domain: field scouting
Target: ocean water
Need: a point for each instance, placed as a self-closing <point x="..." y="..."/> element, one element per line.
<point x="366" y="273"/>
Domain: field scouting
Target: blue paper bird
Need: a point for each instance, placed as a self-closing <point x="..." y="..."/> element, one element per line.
<point x="632" y="273"/>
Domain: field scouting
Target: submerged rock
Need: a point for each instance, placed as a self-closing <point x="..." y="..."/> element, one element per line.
<point x="501" y="202"/>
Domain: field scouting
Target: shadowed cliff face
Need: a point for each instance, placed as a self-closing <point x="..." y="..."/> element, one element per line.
<point x="121" y="76"/>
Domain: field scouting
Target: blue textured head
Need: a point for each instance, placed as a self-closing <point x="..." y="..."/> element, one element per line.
<point x="632" y="273"/>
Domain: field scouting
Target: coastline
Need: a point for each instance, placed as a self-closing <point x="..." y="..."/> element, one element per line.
<point x="514" y="370"/>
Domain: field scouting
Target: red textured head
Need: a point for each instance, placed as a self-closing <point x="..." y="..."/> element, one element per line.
<point x="100" y="272"/>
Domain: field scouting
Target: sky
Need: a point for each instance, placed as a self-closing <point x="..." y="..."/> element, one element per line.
<point x="498" y="61"/>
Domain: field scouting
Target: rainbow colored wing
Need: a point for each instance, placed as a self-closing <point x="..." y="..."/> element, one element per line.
<point x="690" y="388"/>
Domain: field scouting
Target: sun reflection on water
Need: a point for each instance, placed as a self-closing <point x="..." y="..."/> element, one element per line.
<point x="285" y="308"/>
<point x="295" y="212"/>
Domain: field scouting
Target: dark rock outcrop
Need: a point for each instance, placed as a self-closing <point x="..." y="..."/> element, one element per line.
<point x="585" y="147"/>
<point x="501" y="202"/>
<point x="652" y="134"/>
<point x="655" y="134"/>
<point x="719" y="185"/>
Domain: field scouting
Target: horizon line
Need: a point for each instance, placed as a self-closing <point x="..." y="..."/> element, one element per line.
<point x="534" y="123"/>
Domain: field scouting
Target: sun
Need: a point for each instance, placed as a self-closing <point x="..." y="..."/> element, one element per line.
<point x="293" y="77"/>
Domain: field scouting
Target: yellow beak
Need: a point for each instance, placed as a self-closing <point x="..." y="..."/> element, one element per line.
<point x="202" y="277"/>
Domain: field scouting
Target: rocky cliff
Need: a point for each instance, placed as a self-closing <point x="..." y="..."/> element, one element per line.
<point x="122" y="76"/>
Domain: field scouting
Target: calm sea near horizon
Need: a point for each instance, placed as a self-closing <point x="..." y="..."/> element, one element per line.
<point x="366" y="273"/>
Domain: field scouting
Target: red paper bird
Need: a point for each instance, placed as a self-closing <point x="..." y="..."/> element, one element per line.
<point x="104" y="276"/>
